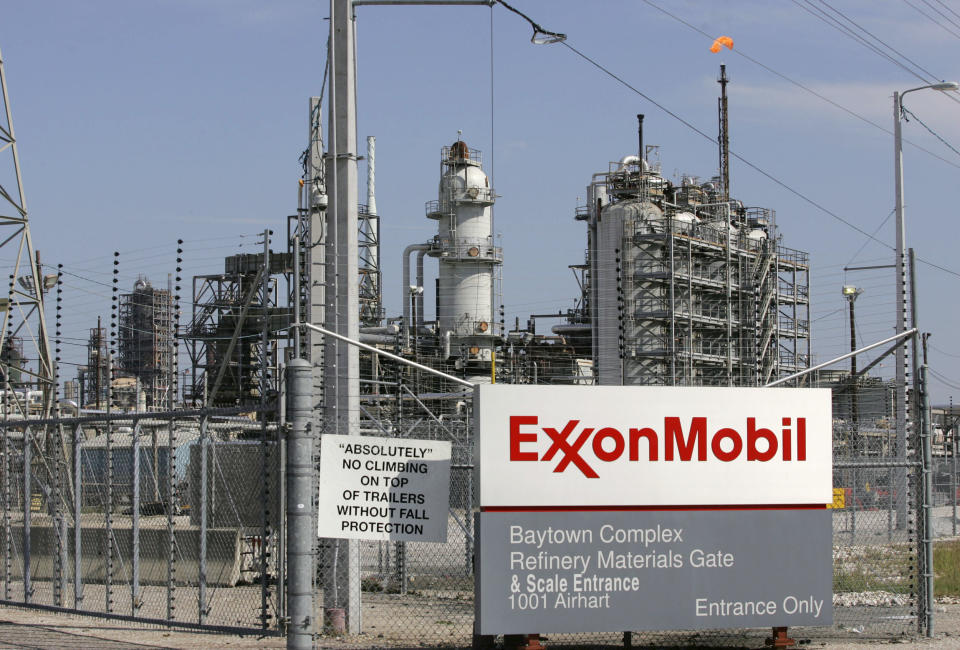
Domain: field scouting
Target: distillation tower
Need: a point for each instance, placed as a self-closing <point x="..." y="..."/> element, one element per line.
<point x="469" y="265"/>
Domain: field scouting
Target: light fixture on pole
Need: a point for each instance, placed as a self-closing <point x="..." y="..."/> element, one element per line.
<point x="901" y="280"/>
<point x="851" y="292"/>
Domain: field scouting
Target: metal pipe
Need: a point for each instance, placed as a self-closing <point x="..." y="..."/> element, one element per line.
<point x="296" y="299"/>
<point x="419" y="295"/>
<point x="640" y="151"/>
<point x="405" y="293"/>
<point x="378" y="338"/>
<point x="389" y="355"/>
<point x="300" y="508"/>
<point x="843" y="357"/>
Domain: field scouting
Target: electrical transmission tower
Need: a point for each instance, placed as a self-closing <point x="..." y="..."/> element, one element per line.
<point x="25" y="362"/>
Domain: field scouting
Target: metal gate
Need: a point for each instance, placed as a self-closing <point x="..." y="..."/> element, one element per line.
<point x="171" y="518"/>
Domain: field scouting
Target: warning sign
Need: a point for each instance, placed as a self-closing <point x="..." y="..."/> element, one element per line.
<point x="383" y="488"/>
<point x="839" y="499"/>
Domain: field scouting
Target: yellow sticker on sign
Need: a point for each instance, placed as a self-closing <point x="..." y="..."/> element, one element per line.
<point x="839" y="499"/>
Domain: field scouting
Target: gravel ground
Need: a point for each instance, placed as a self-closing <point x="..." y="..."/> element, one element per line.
<point x="23" y="628"/>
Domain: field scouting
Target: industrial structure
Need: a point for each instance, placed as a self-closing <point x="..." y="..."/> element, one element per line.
<point x="146" y="343"/>
<point x="689" y="287"/>
<point x="232" y="334"/>
<point x="94" y="378"/>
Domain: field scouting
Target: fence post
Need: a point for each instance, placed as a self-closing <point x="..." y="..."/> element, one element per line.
<point x="27" y="522"/>
<point x="301" y="531"/>
<point x="7" y="487"/>
<point x="135" y="522"/>
<point x="925" y="442"/>
<point x="204" y="498"/>
<point x="77" y="511"/>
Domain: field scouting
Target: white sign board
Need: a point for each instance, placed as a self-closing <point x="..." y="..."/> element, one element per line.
<point x="595" y="446"/>
<point x="383" y="488"/>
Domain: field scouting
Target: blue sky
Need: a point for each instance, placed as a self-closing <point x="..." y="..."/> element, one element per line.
<point x="143" y="122"/>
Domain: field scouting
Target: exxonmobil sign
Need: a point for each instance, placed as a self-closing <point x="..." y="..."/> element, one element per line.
<point x="573" y="446"/>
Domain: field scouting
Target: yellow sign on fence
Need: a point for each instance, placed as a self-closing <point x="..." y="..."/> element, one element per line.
<point x="839" y="499"/>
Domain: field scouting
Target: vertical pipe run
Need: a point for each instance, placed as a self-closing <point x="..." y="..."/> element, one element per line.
<point x="640" y="151"/>
<point x="301" y="529"/>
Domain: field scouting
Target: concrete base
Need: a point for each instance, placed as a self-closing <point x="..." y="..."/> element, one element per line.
<point x="224" y="561"/>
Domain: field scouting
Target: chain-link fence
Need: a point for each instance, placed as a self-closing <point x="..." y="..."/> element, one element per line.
<point x="176" y="518"/>
<point x="165" y="517"/>
<point x="423" y="593"/>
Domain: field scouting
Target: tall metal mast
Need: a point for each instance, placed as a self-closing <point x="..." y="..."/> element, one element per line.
<point x="724" y="138"/>
<point x="23" y="314"/>
<point x="371" y="299"/>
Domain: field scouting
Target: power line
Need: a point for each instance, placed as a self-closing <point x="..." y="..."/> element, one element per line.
<point x="882" y="43"/>
<point x="732" y="153"/>
<point x="931" y="131"/>
<point x="946" y="381"/>
<point x="881" y="49"/>
<point x="882" y="224"/>
<point x="947" y="7"/>
<point x="739" y="52"/>
<point x="824" y="17"/>
<point x="943" y="352"/>
<point x="934" y="20"/>
<point x="748" y="163"/>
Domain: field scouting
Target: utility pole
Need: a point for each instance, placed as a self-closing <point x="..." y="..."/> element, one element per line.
<point x="340" y="561"/>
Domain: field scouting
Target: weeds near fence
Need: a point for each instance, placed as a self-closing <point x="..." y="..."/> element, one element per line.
<point x="873" y="568"/>
<point x="946" y="568"/>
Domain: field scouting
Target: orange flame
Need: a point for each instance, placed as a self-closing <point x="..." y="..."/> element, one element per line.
<point x="720" y="43"/>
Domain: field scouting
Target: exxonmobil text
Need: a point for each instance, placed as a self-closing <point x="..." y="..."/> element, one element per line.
<point x="697" y="442"/>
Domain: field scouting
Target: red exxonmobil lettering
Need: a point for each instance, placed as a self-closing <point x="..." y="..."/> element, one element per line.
<point x="696" y="442"/>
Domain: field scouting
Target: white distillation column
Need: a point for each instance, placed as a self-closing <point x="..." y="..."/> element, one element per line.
<point x="468" y="260"/>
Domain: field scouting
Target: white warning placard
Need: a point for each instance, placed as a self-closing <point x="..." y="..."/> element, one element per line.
<point x="383" y="488"/>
